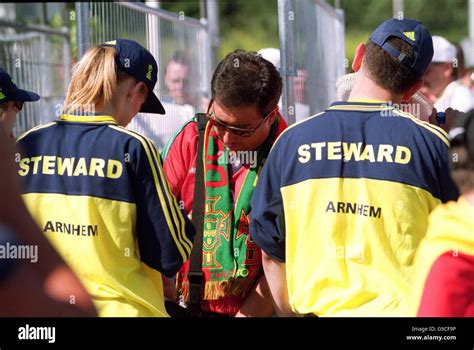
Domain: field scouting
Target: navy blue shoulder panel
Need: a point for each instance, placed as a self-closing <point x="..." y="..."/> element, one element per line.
<point x="366" y="144"/>
<point x="80" y="159"/>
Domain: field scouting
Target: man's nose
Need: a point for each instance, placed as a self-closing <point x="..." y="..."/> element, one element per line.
<point x="228" y="137"/>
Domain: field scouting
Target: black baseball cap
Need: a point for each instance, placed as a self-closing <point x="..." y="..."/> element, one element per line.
<point x="135" y="60"/>
<point x="412" y="32"/>
<point x="10" y="92"/>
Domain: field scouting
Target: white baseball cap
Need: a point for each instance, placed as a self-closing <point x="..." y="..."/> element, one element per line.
<point x="468" y="49"/>
<point x="271" y="54"/>
<point x="444" y="51"/>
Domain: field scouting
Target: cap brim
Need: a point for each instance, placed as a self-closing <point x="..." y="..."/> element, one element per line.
<point x="24" y="96"/>
<point x="152" y="105"/>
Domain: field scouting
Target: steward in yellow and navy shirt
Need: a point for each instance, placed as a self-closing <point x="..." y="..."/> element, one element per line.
<point x="344" y="199"/>
<point x="99" y="194"/>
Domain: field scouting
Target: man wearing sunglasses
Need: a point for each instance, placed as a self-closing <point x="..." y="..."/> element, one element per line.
<point x="243" y="122"/>
<point x="11" y="101"/>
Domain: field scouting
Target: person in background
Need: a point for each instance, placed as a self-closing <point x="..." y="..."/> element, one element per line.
<point x="98" y="191"/>
<point x="301" y="109"/>
<point x="444" y="263"/>
<point x="465" y="67"/>
<point x="300" y="85"/>
<point x="204" y="101"/>
<point x="177" y="100"/>
<point x="271" y="54"/>
<point x="440" y="80"/>
<point x="176" y="79"/>
<point x="11" y="101"/>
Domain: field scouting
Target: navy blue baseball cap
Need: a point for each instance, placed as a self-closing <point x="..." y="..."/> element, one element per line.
<point x="412" y="32"/>
<point x="10" y="92"/>
<point x="135" y="60"/>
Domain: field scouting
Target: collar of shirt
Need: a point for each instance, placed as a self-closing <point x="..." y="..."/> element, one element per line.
<point x="91" y="118"/>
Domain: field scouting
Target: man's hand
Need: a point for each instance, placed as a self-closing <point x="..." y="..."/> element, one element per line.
<point x="451" y="116"/>
<point x="259" y="301"/>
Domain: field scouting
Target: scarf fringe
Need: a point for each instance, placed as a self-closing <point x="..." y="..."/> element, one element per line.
<point x="214" y="290"/>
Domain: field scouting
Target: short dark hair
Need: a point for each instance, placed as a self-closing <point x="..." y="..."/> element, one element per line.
<point x="179" y="57"/>
<point x="385" y="70"/>
<point x="245" y="78"/>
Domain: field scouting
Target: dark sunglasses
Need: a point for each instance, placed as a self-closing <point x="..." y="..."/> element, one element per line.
<point x="243" y="132"/>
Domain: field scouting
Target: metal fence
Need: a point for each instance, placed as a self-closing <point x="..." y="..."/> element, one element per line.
<point x="38" y="58"/>
<point x="185" y="40"/>
<point x="313" y="56"/>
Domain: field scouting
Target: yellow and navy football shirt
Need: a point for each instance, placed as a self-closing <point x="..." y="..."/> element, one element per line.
<point x="344" y="199"/>
<point x="443" y="283"/>
<point x="99" y="194"/>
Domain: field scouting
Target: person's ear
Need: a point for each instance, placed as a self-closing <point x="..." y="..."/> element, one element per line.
<point x="272" y="116"/>
<point x="448" y="70"/>
<point x="358" y="57"/>
<point x="411" y="91"/>
<point x="139" y="89"/>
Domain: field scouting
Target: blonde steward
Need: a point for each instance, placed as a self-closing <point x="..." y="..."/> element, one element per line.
<point x="97" y="190"/>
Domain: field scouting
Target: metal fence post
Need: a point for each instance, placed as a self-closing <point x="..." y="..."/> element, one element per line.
<point x="340" y="39"/>
<point x="471" y="24"/>
<point x="154" y="36"/>
<point x="398" y="8"/>
<point x="67" y="62"/>
<point x="213" y="23"/>
<point x="287" y="66"/>
<point x="205" y="51"/>
<point x="82" y="28"/>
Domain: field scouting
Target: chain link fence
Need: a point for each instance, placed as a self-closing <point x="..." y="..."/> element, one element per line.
<point x="38" y="59"/>
<point x="312" y="44"/>
<point x="180" y="45"/>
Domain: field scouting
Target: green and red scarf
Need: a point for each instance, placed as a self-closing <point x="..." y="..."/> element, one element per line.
<point x="231" y="260"/>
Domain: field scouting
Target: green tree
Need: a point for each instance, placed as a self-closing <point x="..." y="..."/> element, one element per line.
<point x="447" y="18"/>
<point x="244" y="24"/>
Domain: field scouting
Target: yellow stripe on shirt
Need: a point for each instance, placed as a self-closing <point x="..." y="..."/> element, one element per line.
<point x="39" y="127"/>
<point x="171" y="199"/>
<point x="433" y="128"/>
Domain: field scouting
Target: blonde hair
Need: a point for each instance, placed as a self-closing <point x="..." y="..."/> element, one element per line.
<point x="94" y="80"/>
